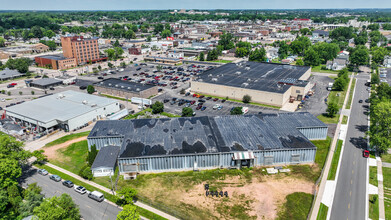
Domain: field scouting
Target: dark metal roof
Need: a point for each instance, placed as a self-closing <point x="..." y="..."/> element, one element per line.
<point x="123" y="85"/>
<point x="269" y="77"/>
<point x="45" y="82"/>
<point x="148" y="137"/>
<point x="107" y="156"/>
<point x="54" y="57"/>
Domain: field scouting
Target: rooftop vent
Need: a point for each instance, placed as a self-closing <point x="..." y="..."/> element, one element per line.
<point x="101" y="83"/>
<point x="214" y="79"/>
<point x="122" y="86"/>
<point x="247" y="68"/>
<point x="85" y="102"/>
<point x="210" y="75"/>
<point x="129" y="88"/>
<point x="138" y="89"/>
<point x="93" y="105"/>
<point x="117" y="85"/>
<point x="109" y="84"/>
<point x="249" y="80"/>
<point x="244" y="84"/>
<point x="60" y="96"/>
<point x="238" y="73"/>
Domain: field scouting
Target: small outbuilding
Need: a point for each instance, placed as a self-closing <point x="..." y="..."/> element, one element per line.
<point x="105" y="162"/>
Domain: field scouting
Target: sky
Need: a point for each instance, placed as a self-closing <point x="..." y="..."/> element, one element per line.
<point x="187" y="4"/>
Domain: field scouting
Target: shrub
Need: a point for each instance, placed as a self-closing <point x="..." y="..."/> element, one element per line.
<point x="246" y="99"/>
<point x="86" y="172"/>
<point x="32" y="92"/>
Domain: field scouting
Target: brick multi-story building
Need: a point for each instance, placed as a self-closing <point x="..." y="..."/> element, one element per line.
<point x="77" y="50"/>
<point x="84" y="50"/>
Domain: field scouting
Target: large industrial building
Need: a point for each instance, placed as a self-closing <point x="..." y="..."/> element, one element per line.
<point x="125" y="89"/>
<point x="266" y="83"/>
<point x="67" y="110"/>
<point x="177" y="144"/>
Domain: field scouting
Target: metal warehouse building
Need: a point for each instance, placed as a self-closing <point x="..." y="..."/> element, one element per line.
<point x="67" y="110"/>
<point x="176" y="144"/>
<point x="266" y="83"/>
<point x="125" y="89"/>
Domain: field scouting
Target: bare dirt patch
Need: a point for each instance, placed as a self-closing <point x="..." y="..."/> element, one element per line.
<point x="51" y="153"/>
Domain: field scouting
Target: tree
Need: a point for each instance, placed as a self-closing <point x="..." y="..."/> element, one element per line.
<point x="305" y="31"/>
<point x="149" y="38"/>
<point x="129" y="212"/>
<point x="118" y="51"/>
<point x="123" y="64"/>
<point x="187" y="112"/>
<point x="116" y="43"/>
<point x="110" y="65"/>
<point x="375" y="79"/>
<point x="359" y="56"/>
<point x="380" y="129"/>
<point x="100" y="68"/>
<point x="126" y="195"/>
<point x="326" y="51"/>
<point x="92" y="155"/>
<point x="212" y="55"/>
<point x="157" y="107"/>
<point x="49" y="33"/>
<point x="241" y="52"/>
<point x="54" y="208"/>
<point x="51" y="44"/>
<point x="283" y="51"/>
<point x="311" y="58"/>
<point x="374" y="27"/>
<point x="339" y="84"/>
<point x="90" y="89"/>
<point x="2" y="42"/>
<point x="299" y="45"/>
<point x="332" y="109"/>
<point x="86" y="172"/>
<point x="110" y="53"/>
<point x="129" y="34"/>
<point x="32" y="92"/>
<point x="32" y="198"/>
<point x="299" y="62"/>
<point x="165" y="33"/>
<point x="237" y="111"/>
<point x="246" y="99"/>
<point x="37" y="31"/>
<point x="10" y="171"/>
<point x="226" y="40"/>
<point x="378" y="54"/>
<point x="20" y="93"/>
<point x="258" y="55"/>
<point x="202" y="56"/>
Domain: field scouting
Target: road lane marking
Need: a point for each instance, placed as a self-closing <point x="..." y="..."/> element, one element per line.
<point x="350" y="193"/>
<point x="88" y="206"/>
<point x="354" y="162"/>
<point x="349" y="206"/>
<point x="352" y="171"/>
<point x="351" y="182"/>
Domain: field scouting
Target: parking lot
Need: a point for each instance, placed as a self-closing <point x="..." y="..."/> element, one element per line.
<point x="209" y="111"/>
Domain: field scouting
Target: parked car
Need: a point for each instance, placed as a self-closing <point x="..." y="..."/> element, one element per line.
<point x="51" y="88"/>
<point x="199" y="107"/>
<point x="360" y="101"/>
<point x="366" y="100"/>
<point x="215" y="99"/>
<point x="203" y="108"/>
<point x="365" y="153"/>
<point x="216" y="106"/>
<point x="100" y="77"/>
<point x="95" y="195"/>
<point x="55" y="178"/>
<point x="80" y="190"/>
<point x="187" y="94"/>
<point x="223" y="100"/>
<point x="165" y="100"/>
<point x="43" y="172"/>
<point x="139" y="68"/>
<point x="68" y="183"/>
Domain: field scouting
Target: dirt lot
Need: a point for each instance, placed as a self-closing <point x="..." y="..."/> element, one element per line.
<point x="251" y="194"/>
<point x="51" y="153"/>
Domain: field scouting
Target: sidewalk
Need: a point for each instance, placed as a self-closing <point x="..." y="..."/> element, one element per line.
<point x="382" y="214"/>
<point x="322" y="186"/>
<point x="140" y="204"/>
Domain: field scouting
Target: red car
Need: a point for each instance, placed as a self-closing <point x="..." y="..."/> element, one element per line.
<point x="199" y="107"/>
<point x="365" y="153"/>
<point x="195" y="94"/>
<point x="215" y="99"/>
<point x="13" y="84"/>
<point x="192" y="102"/>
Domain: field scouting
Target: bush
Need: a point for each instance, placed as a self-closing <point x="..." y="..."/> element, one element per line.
<point x="332" y="109"/>
<point x="90" y="89"/>
<point x="237" y="111"/>
<point x="20" y="93"/>
<point x="157" y="107"/>
<point x="246" y="99"/>
<point x="183" y="91"/>
<point x="187" y="112"/>
<point x="32" y="92"/>
<point x="86" y="172"/>
<point x="3" y="91"/>
<point x="126" y="196"/>
<point x="8" y="93"/>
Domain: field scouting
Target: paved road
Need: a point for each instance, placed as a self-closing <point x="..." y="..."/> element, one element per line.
<point x="89" y="209"/>
<point x="350" y="195"/>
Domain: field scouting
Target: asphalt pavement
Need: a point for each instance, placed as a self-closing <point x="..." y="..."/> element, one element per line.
<point x="89" y="209"/>
<point x="350" y="195"/>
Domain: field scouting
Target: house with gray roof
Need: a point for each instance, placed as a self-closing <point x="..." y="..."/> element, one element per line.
<point x="177" y="144"/>
<point x="105" y="162"/>
<point x="7" y="74"/>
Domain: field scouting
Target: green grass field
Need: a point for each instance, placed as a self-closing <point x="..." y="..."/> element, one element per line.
<point x="115" y="97"/>
<point x="319" y="69"/>
<point x="239" y="101"/>
<point x="386" y="158"/>
<point x="323" y="147"/>
<point x="297" y="206"/>
<point x="335" y="161"/>
<point x="345" y="119"/>
<point x="72" y="158"/>
<point x="373" y="206"/>
<point x="337" y="97"/>
<point x="387" y="191"/>
<point x="220" y="61"/>
<point x="322" y="214"/>
<point x="67" y="138"/>
<point x="373" y="175"/>
<point x="327" y="120"/>
<point x="350" y="99"/>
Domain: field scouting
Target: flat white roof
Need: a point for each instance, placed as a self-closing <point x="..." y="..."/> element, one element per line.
<point x="60" y="106"/>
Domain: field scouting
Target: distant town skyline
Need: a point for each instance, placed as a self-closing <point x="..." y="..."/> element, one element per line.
<point x="188" y="4"/>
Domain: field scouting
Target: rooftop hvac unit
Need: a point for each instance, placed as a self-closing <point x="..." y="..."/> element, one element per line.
<point x="116" y="85"/>
<point x="60" y="96"/>
<point x="214" y="79"/>
<point x="249" y="80"/>
<point x="85" y="102"/>
<point x="122" y="86"/>
<point x="129" y="88"/>
<point x="138" y="89"/>
<point x="210" y="75"/>
<point x="109" y="84"/>
<point x="101" y="83"/>
<point x="245" y="84"/>
<point x="247" y="68"/>
<point x="93" y="105"/>
<point x="238" y="73"/>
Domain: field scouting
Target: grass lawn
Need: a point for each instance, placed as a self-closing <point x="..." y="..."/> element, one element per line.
<point x="373" y="175"/>
<point x="345" y="119"/>
<point x="169" y="115"/>
<point x="322" y="151"/>
<point x="72" y="158"/>
<point x="327" y="120"/>
<point x="335" y="161"/>
<point x="322" y="214"/>
<point x="387" y="191"/>
<point x="319" y="69"/>
<point x="386" y="158"/>
<point x="297" y="206"/>
<point x="221" y="61"/>
<point x="115" y="97"/>
<point x="350" y="99"/>
<point x="67" y="138"/>
<point x="239" y="101"/>
<point x="373" y="207"/>
<point x="134" y="116"/>
<point x="337" y="97"/>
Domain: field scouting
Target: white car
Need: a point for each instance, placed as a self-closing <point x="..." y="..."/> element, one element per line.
<point x="80" y="190"/>
<point x="216" y="106"/>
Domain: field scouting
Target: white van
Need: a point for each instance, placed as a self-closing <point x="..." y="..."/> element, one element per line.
<point x="95" y="195"/>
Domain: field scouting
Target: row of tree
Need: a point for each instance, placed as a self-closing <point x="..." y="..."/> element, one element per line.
<point x="20" y="64"/>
